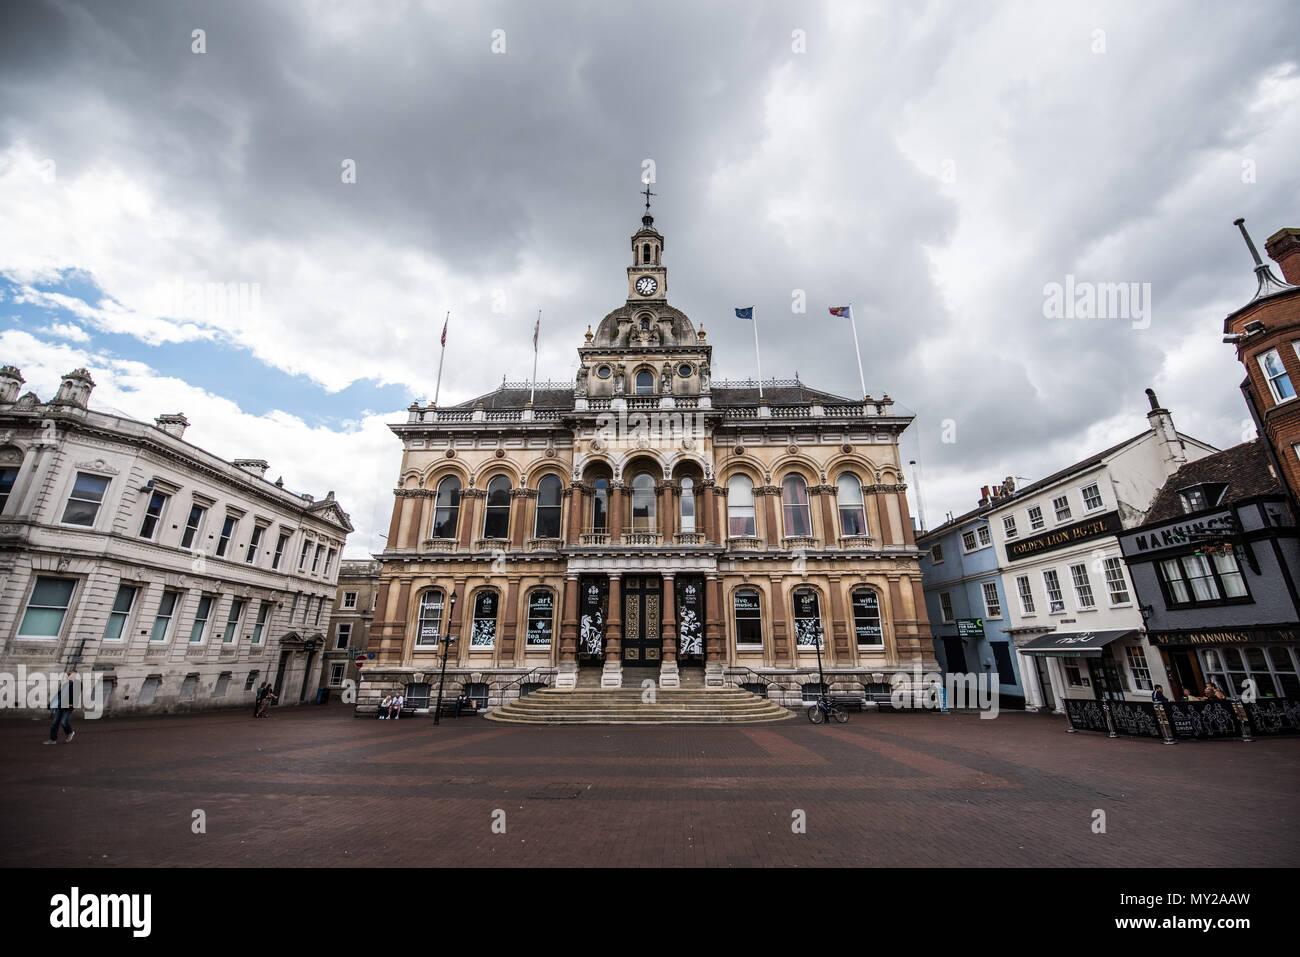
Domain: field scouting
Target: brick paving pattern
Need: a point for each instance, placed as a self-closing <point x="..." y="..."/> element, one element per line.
<point x="315" y="786"/>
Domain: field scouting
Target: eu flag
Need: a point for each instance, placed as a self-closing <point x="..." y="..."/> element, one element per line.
<point x="746" y="313"/>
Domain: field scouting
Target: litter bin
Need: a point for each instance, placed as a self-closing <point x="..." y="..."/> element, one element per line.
<point x="322" y="695"/>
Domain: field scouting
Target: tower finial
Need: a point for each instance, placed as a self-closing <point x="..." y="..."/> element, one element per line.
<point x="1268" y="283"/>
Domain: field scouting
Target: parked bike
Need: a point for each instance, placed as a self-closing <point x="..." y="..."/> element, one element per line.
<point x="825" y="707"/>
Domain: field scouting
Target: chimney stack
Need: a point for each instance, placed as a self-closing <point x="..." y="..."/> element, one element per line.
<point x="1173" y="454"/>
<point x="173" y="424"/>
<point x="11" y="383"/>
<point x="74" y="389"/>
<point x="255" y="467"/>
<point x="1283" y="247"/>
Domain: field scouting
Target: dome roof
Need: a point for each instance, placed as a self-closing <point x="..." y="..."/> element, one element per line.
<point x="674" y="328"/>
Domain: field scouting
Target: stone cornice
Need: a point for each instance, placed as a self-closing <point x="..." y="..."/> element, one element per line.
<point x="414" y="493"/>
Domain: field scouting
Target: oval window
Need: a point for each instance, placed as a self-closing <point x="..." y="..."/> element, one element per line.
<point x="603" y="372"/>
<point x="683" y="370"/>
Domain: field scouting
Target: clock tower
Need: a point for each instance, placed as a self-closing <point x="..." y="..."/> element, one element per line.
<point x="647" y="279"/>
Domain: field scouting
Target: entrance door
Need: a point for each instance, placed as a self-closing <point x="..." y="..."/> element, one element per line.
<point x="306" y="676"/>
<point x="642" y="614"/>
<point x="1185" y="676"/>
<point x="954" y="653"/>
<point x="593" y="603"/>
<point x="279" y="672"/>
<point x="1045" y="681"/>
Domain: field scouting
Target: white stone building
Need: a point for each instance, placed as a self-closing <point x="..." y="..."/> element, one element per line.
<point x="1075" y="618"/>
<point x="181" y="578"/>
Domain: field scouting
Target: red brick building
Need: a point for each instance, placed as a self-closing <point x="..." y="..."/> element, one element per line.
<point x="1266" y="332"/>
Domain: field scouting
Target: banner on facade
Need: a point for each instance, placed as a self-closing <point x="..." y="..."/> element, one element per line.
<point x="591" y="627"/>
<point x="690" y="616"/>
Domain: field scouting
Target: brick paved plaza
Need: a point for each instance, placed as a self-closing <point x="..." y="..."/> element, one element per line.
<point x="315" y="786"/>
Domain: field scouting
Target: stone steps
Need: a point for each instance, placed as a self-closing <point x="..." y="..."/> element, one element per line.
<point x="588" y="705"/>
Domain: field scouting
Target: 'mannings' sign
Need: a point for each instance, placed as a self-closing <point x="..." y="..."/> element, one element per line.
<point x="1107" y="524"/>
<point x="1220" y="525"/>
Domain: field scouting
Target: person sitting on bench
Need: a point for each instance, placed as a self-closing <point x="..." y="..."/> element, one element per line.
<point x="461" y="702"/>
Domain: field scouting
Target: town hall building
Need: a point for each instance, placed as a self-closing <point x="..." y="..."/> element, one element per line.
<point x="646" y="521"/>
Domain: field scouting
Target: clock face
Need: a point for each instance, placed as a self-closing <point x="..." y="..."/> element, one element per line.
<point x="646" y="285"/>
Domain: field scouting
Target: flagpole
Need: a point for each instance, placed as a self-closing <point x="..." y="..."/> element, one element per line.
<point x="536" y="331"/>
<point x="441" y="355"/>
<point x="857" y="351"/>
<point x="757" y="359"/>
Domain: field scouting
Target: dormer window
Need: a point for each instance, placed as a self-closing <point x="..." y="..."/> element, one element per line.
<point x="1196" y="498"/>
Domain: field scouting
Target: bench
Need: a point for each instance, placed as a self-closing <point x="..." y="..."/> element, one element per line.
<point x="847" y="699"/>
<point x="470" y="707"/>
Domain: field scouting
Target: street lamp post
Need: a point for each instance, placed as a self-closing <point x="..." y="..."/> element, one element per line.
<point x="821" y="675"/>
<point x="446" y="640"/>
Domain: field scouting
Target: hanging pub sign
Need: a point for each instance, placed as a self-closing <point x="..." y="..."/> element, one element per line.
<point x="541" y="617"/>
<point x="866" y="617"/>
<point x="591" y="625"/>
<point x="1063" y="537"/>
<point x="690" y="617"/>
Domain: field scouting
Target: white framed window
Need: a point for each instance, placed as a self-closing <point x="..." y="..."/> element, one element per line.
<point x="945" y="606"/>
<point x="8" y="475"/>
<point x="968" y="540"/>
<point x="232" y="621"/>
<point x="795" y="511"/>
<point x="740" y="507"/>
<point x="254" y="543"/>
<point x="84" y="500"/>
<point x="1061" y="506"/>
<point x="1036" y="518"/>
<point x="227" y="530"/>
<point x="201" y="616"/>
<point x="315" y="562"/>
<point x="343" y="638"/>
<point x="192" y="523"/>
<point x="320" y="607"/>
<point x="349" y="599"/>
<point x="1009" y="526"/>
<point x="162" y="622"/>
<point x="1082" y="587"/>
<point x="848" y="495"/>
<point x="279" y="550"/>
<point x="992" y="604"/>
<point x="1026" y="595"/>
<point x="121" y="613"/>
<point x="1116" y="586"/>
<point x="1138" y="668"/>
<point x="47" y="607"/>
<point x="936" y="554"/>
<point x="259" y="625"/>
<point x="1275" y="374"/>
<point x="1055" y="600"/>
<point x="223" y="683"/>
<point x="985" y="538"/>
<point x="329" y="561"/>
<point x="1091" y="497"/>
<point x="152" y="515"/>
<point x="302" y="558"/>
<point x="337" y="670"/>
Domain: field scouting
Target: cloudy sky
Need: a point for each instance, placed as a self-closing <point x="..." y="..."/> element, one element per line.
<point x="939" y="164"/>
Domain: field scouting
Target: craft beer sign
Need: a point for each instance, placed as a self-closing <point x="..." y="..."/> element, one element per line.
<point x="1064" y="537"/>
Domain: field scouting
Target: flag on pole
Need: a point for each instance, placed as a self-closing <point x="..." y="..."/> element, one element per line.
<point x="536" y="330"/>
<point x="444" y="329"/>
<point x="844" y="312"/>
<point x="746" y="313"/>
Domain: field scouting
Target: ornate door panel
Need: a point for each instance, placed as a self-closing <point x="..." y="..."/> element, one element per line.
<point x="642" y="617"/>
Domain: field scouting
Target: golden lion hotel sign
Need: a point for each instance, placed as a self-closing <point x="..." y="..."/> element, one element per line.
<point x="1107" y="524"/>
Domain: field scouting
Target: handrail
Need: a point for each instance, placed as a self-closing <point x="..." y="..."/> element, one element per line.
<point x="521" y="678"/>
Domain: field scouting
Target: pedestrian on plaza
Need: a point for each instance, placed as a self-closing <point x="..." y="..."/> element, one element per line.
<point x="262" y="689"/>
<point x="61" y="705"/>
<point x="264" y="709"/>
<point x="1158" y="695"/>
<point x="385" y="706"/>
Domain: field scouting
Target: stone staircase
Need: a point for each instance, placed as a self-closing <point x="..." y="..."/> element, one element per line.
<point x="590" y="704"/>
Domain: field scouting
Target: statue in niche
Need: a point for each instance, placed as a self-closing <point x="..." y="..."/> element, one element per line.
<point x="618" y="379"/>
<point x="666" y="380"/>
<point x="704" y="377"/>
<point x="581" y="387"/>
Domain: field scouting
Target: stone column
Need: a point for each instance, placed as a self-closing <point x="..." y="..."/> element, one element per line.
<point x="841" y="652"/>
<point x="612" y="673"/>
<point x="510" y="625"/>
<point x="577" y="509"/>
<point x="770" y="493"/>
<point x="1033" y="689"/>
<point x="667" y="510"/>
<point x="877" y="524"/>
<point x="401" y="646"/>
<point x="668" y="676"/>
<point x="520" y="515"/>
<point x="781" y="650"/>
<point x="396" y="523"/>
<point x="567" y="677"/>
<point x="705" y="505"/>
<point x="826" y="496"/>
<point x="615" y="512"/>
<point x="715" y="655"/>
<point x="905" y="519"/>
<point x="469" y="515"/>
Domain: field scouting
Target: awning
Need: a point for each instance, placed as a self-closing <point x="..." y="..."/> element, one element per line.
<point x="1073" y="644"/>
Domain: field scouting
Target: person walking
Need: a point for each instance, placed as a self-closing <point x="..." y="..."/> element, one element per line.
<point x="1158" y="695"/>
<point x="262" y="689"/>
<point x="61" y="705"/>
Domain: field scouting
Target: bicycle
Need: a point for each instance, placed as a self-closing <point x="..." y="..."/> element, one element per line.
<point x="824" y="707"/>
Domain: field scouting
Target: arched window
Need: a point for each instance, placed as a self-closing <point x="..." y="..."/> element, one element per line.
<point x="794" y="505"/>
<point x="446" y="508"/>
<point x="643" y="502"/>
<point x="853" y="517"/>
<point x="747" y="610"/>
<point x="645" y="382"/>
<point x="807" y="619"/>
<point x="541" y="619"/>
<point x="688" y="505"/>
<point x="548" y="508"/>
<point x="429" y="626"/>
<point x="866" y="618"/>
<point x="740" y="507"/>
<point x="483" y="628"/>
<point x="496" y="517"/>
<point x="645" y="252"/>
<point x="600" y="505"/>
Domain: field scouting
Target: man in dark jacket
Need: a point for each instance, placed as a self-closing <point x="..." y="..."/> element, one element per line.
<point x="61" y="705"/>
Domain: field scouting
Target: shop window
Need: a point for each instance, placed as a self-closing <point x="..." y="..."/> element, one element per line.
<point x="541" y="619"/>
<point x="807" y="618"/>
<point x="747" y="610"/>
<point x="866" y="618"/>
<point x="483" y="633"/>
<point x="429" y="623"/>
